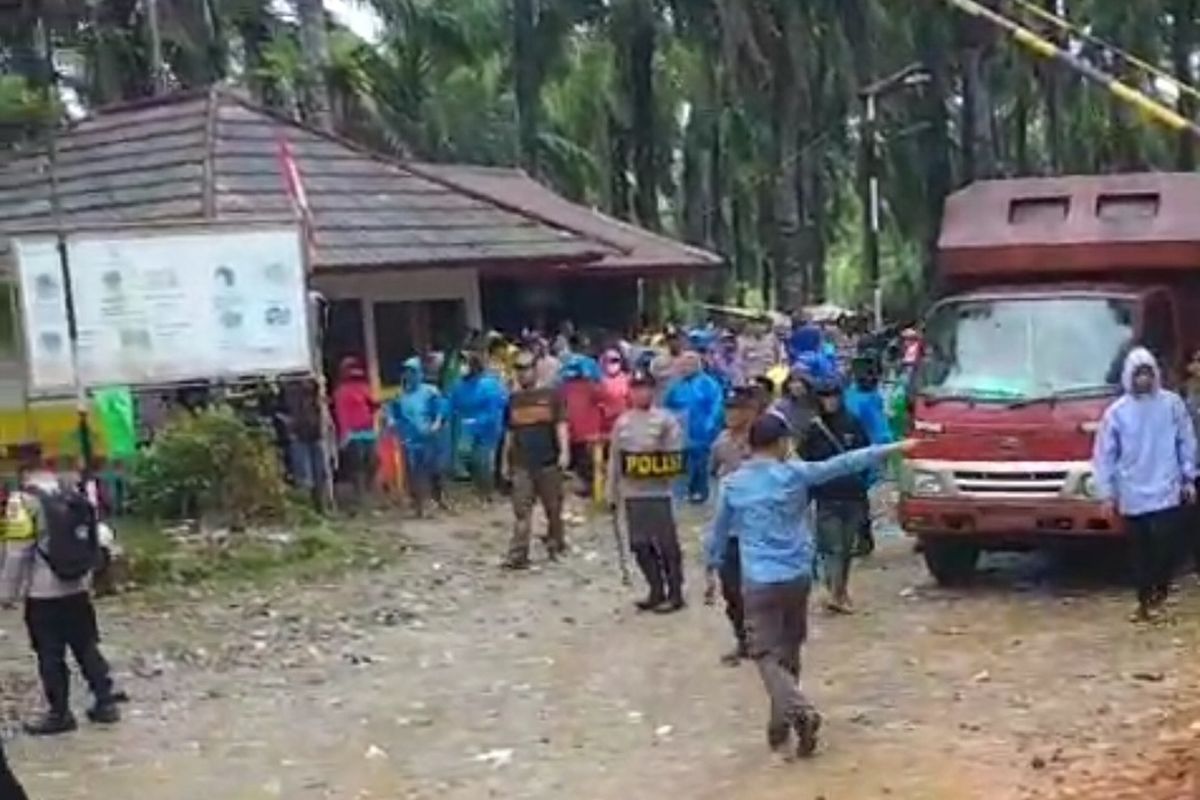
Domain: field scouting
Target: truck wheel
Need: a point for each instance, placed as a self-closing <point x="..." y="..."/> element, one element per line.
<point x="952" y="563"/>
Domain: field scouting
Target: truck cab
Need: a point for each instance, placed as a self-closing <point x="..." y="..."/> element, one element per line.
<point x="1051" y="283"/>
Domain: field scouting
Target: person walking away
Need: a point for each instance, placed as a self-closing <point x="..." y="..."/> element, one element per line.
<point x="548" y="365"/>
<point x="416" y="417"/>
<point x="758" y="504"/>
<point x="646" y="454"/>
<point x="730" y="451"/>
<point x="48" y="565"/>
<point x="665" y="365"/>
<point x="536" y="452"/>
<point x="864" y="400"/>
<point x="478" y="403"/>
<point x="841" y="504"/>
<point x="757" y="351"/>
<point x="1144" y="462"/>
<point x="695" y="398"/>
<point x="354" y="409"/>
<point x="307" y="460"/>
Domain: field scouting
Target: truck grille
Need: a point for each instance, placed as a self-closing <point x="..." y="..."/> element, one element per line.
<point x="1010" y="484"/>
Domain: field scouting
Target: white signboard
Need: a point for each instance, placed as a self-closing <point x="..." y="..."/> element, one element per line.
<point x="156" y="307"/>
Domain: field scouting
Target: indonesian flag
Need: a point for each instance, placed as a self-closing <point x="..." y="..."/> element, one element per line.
<point x="293" y="183"/>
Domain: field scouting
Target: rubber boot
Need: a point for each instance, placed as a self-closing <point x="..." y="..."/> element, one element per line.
<point x="672" y="560"/>
<point x="104" y="713"/>
<point x="52" y="723"/>
<point x="648" y="563"/>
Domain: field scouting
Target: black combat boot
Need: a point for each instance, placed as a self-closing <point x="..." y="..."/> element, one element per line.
<point x="52" y="723"/>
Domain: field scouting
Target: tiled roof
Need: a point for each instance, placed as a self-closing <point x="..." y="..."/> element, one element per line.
<point x="636" y="250"/>
<point x="215" y="155"/>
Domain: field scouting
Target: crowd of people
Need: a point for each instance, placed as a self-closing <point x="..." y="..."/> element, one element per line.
<point x="643" y="423"/>
<point x="781" y="415"/>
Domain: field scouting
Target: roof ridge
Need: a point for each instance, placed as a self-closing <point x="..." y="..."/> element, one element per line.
<point x="407" y="166"/>
<point x="592" y="210"/>
<point x="511" y="207"/>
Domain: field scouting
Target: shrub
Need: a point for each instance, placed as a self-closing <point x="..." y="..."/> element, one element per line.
<point x="210" y="466"/>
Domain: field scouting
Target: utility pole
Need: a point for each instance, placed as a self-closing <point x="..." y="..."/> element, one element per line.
<point x="50" y="86"/>
<point x="912" y="75"/>
<point x="157" y="73"/>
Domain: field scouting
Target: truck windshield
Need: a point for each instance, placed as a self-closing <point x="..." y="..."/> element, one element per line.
<point x="1017" y="349"/>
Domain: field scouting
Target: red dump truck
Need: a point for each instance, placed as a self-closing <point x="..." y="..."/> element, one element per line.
<point x="1049" y="283"/>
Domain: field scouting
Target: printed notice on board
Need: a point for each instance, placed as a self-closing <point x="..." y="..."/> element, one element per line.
<point x="157" y="307"/>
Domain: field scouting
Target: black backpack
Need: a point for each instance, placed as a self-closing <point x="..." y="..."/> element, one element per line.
<point x="68" y="539"/>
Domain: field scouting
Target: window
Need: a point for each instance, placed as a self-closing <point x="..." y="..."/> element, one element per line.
<point x="1033" y="210"/>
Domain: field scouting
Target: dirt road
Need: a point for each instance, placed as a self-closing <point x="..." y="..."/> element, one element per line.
<point x="442" y="678"/>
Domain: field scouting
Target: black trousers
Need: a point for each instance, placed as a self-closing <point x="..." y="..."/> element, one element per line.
<point x="1154" y="539"/>
<point x="56" y="625"/>
<point x="10" y="787"/>
<point x="654" y="541"/>
<point x="731" y="590"/>
<point x="581" y="464"/>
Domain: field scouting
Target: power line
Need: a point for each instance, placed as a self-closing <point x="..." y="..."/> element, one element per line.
<point x="1044" y="48"/>
<point x="1065" y="24"/>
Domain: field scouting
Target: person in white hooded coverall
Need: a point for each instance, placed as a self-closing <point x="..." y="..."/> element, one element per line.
<point x="1145" y="467"/>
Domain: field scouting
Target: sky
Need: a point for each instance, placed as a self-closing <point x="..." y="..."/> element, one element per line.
<point x="356" y="16"/>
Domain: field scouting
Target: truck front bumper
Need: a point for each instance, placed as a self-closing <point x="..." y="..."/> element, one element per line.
<point x="1006" y="519"/>
<point x="1005" y="501"/>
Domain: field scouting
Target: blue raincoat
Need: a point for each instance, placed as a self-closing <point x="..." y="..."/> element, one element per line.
<point x="478" y="403"/>
<point x="699" y="403"/>
<point x="415" y="413"/>
<point x="576" y="366"/>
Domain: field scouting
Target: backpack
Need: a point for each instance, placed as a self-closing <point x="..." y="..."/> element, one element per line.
<point x="69" y="539"/>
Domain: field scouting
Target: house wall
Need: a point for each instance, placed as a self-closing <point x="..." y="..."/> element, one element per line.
<point x="375" y="290"/>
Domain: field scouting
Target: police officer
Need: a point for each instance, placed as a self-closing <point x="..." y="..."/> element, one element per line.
<point x="646" y="455"/>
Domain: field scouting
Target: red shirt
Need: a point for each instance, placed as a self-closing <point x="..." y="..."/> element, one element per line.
<point x="584" y="417"/>
<point x="614" y="400"/>
<point x="354" y="407"/>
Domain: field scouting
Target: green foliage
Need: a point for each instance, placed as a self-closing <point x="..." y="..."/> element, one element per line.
<point x="211" y="465"/>
<point x="440" y="85"/>
<point x="23" y="109"/>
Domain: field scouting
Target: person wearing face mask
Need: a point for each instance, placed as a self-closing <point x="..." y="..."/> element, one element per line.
<point x="536" y="452"/>
<point x="696" y="399"/>
<point x="1144" y="461"/>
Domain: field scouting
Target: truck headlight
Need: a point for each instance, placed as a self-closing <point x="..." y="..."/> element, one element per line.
<point x="1088" y="487"/>
<point x="926" y="483"/>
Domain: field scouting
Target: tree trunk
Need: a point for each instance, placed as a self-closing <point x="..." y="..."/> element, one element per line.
<point x="525" y="76"/>
<point x="789" y="83"/>
<point x="314" y="41"/>
<point x="1051" y="77"/>
<point x="1183" y="45"/>
<point x="1021" y="125"/>
<point x="978" y="140"/>
<point x="618" y="175"/>
<point x="644" y="134"/>
<point x="935" y="139"/>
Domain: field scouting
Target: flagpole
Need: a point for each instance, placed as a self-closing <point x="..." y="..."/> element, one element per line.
<point x="60" y="236"/>
<point x="293" y="185"/>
